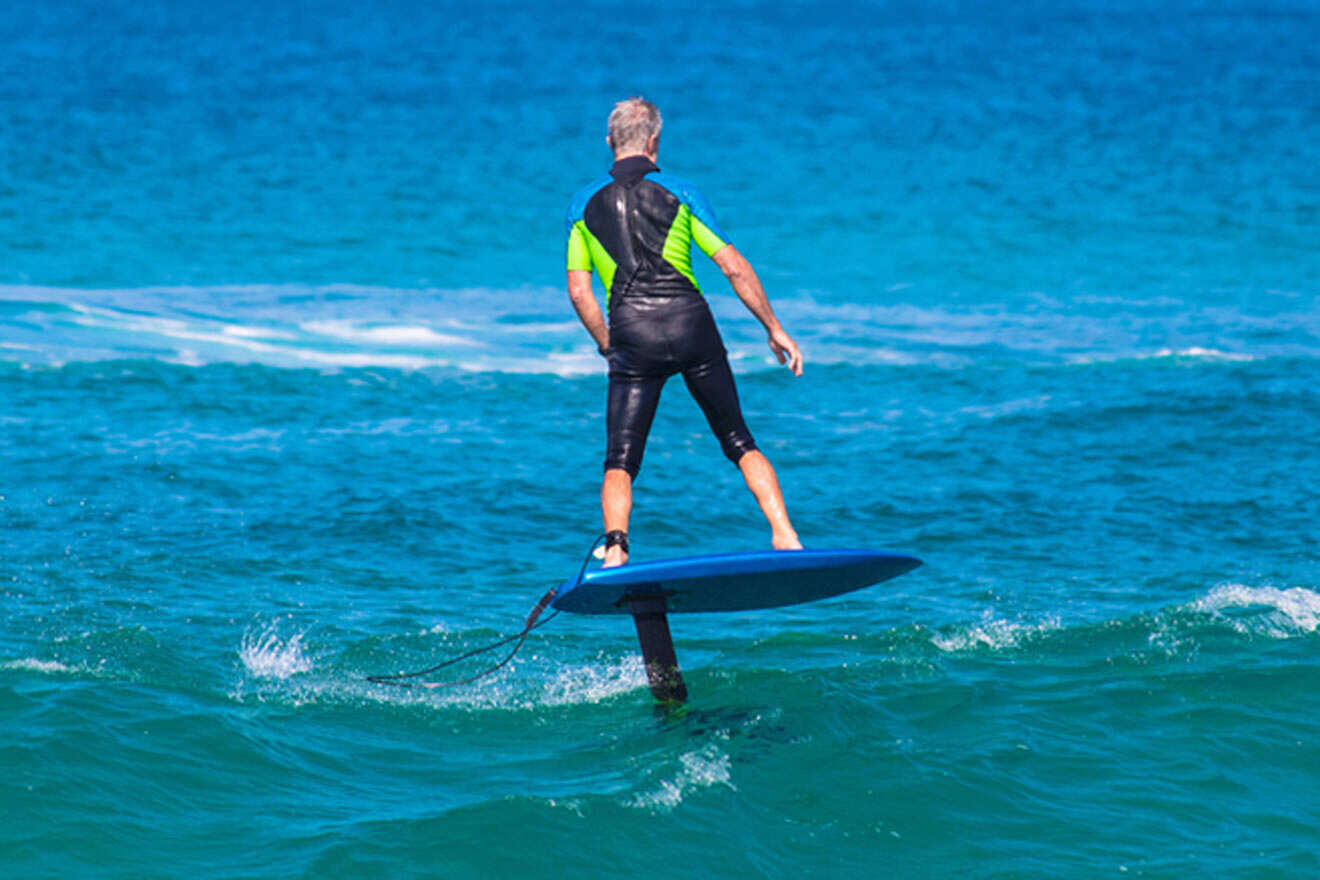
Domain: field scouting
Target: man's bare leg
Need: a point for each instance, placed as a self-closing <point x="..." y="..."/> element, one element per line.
<point x="760" y="476"/>
<point x="616" y="507"/>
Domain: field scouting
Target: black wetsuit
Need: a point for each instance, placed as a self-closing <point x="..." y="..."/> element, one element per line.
<point x="636" y="228"/>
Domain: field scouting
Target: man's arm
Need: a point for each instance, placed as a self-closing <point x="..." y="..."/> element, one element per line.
<point x="748" y="287"/>
<point x="579" y="291"/>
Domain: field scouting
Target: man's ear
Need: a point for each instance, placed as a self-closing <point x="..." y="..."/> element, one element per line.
<point x="653" y="145"/>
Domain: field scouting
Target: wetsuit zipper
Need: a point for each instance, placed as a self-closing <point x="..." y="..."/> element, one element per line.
<point x="625" y="220"/>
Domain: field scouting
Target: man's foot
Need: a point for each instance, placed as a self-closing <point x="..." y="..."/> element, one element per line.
<point x="788" y="541"/>
<point x="616" y="548"/>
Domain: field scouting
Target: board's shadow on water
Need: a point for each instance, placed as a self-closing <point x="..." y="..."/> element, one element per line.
<point x="727" y="722"/>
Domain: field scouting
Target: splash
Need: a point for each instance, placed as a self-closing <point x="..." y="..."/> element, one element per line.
<point x="591" y="684"/>
<point x="701" y="768"/>
<point x="266" y="654"/>
<point x="571" y="684"/>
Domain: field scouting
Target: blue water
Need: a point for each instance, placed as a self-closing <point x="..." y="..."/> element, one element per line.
<point x="290" y="393"/>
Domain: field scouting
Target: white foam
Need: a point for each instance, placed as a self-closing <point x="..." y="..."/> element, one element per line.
<point x="171" y="328"/>
<point x="187" y="358"/>
<point x="990" y="633"/>
<point x="1194" y="352"/>
<point x="1209" y="354"/>
<point x="567" y="328"/>
<point x="267" y="655"/>
<point x="532" y="329"/>
<point x="1008" y="407"/>
<point x="398" y="335"/>
<point x="278" y="665"/>
<point x="702" y="768"/>
<point x="32" y="664"/>
<point x="593" y="683"/>
<point x="1292" y="611"/>
<point x="563" y="364"/>
<point x="245" y="332"/>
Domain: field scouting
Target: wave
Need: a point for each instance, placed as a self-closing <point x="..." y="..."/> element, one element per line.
<point x="1264" y="612"/>
<point x="1195" y="351"/>
<point x="387" y="334"/>
<point x="276" y="662"/>
<point x="552" y="677"/>
<point x="990" y="633"/>
<point x="293" y="327"/>
<point x="1286" y="612"/>
<point x="533" y="330"/>
<point x="1192" y="353"/>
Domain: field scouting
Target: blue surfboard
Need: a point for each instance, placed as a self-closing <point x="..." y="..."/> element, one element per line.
<point x="731" y="581"/>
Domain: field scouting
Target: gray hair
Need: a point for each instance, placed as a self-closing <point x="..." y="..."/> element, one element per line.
<point x="632" y="125"/>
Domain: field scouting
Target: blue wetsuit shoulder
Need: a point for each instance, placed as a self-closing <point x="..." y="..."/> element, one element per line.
<point x="689" y="195"/>
<point x="578" y="204"/>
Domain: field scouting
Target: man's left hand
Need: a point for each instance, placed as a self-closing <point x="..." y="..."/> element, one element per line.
<point x="786" y="350"/>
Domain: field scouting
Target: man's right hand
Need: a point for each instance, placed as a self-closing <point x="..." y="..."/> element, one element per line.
<point x="786" y="350"/>
<point x="748" y="287"/>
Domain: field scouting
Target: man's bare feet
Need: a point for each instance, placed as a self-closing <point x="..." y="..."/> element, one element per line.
<point x="614" y="556"/>
<point x="761" y="479"/>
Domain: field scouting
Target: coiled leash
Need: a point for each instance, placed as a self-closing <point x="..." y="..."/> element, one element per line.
<point x="401" y="679"/>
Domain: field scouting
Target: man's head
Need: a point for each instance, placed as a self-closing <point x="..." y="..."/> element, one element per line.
<point x="635" y="129"/>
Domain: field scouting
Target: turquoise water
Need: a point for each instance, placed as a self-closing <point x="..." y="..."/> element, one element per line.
<point x="290" y="393"/>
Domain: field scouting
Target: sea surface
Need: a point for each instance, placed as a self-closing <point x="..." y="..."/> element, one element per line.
<point x="291" y="393"/>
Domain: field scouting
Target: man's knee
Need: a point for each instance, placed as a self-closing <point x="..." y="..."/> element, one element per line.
<point x="624" y="456"/>
<point x="737" y="444"/>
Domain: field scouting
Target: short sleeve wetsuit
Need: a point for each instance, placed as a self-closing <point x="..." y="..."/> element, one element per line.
<point x="636" y="228"/>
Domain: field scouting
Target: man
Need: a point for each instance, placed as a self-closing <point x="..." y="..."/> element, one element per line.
<point x="636" y="228"/>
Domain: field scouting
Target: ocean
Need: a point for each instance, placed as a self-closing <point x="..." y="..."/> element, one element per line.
<point x="291" y="393"/>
